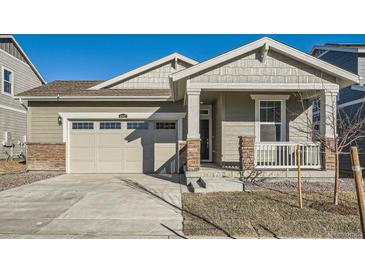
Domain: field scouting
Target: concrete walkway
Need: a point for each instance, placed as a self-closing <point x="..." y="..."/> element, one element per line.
<point x="93" y="206"/>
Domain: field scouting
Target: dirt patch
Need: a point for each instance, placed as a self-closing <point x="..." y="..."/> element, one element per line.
<point x="12" y="166"/>
<point x="270" y="214"/>
<point x="8" y="181"/>
<point x="340" y="209"/>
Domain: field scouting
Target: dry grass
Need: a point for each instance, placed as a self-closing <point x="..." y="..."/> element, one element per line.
<point x="270" y="214"/>
<point x="11" y="166"/>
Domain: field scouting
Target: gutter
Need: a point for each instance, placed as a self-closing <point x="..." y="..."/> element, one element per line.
<point x="93" y="98"/>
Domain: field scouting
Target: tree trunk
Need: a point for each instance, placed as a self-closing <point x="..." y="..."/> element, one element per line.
<point x="337" y="177"/>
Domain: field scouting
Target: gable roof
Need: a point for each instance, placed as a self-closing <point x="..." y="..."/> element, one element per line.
<point x="269" y="43"/>
<point x="80" y="89"/>
<point x="139" y="70"/>
<point x="29" y="62"/>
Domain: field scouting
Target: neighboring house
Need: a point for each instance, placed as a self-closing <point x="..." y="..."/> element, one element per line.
<point x="17" y="74"/>
<point x="350" y="57"/>
<point x="237" y="109"/>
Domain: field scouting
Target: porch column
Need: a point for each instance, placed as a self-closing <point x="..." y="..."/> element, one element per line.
<point x="328" y="109"/>
<point x="193" y="134"/>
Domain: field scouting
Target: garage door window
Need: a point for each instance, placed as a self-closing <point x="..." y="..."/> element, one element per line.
<point x="110" y="125"/>
<point x="165" y="125"/>
<point x="137" y="125"/>
<point x="82" y="125"/>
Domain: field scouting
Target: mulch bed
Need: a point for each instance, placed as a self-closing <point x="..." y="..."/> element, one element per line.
<point x="12" y="180"/>
<point x="12" y="166"/>
<point x="270" y="214"/>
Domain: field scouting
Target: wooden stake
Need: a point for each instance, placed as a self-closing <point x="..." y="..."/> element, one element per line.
<point x="299" y="178"/>
<point x="359" y="186"/>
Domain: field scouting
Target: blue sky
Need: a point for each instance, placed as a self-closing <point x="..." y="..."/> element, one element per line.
<point x="100" y="57"/>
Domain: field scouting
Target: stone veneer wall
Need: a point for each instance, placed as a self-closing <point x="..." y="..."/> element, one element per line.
<point x="193" y="154"/>
<point x="329" y="157"/>
<point x="247" y="152"/>
<point x="46" y="157"/>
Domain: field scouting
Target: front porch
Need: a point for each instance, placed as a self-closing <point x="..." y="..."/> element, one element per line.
<point x="239" y="131"/>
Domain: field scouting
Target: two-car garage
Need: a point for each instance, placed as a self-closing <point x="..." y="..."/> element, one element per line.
<point x="116" y="146"/>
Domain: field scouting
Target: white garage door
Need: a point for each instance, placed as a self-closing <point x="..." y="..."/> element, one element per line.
<point x="123" y="147"/>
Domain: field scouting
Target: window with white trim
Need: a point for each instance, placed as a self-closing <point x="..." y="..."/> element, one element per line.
<point x="270" y="121"/>
<point x="82" y="125"/>
<point x="110" y="125"/>
<point x="8" y="81"/>
<point x="137" y="125"/>
<point x="165" y="125"/>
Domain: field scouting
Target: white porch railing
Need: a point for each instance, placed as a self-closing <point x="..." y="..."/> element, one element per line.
<point x="282" y="155"/>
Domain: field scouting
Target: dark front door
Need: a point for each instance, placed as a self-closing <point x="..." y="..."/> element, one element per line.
<point x="204" y="142"/>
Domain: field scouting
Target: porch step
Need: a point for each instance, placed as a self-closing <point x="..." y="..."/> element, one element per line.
<point x="218" y="184"/>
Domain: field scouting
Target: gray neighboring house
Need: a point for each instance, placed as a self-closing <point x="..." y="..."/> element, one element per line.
<point x="350" y="57"/>
<point x="17" y="74"/>
<point x="238" y="110"/>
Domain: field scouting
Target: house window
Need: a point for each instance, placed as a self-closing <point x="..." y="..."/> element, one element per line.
<point x="110" y="125"/>
<point x="270" y="121"/>
<point x="8" y="81"/>
<point x="82" y="125"/>
<point x="137" y="125"/>
<point x="165" y="125"/>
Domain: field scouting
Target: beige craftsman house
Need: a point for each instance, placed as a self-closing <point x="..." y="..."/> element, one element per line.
<point x="176" y="114"/>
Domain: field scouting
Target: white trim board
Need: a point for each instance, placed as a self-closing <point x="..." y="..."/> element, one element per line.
<point x="261" y="86"/>
<point x="13" y="109"/>
<point x="166" y="59"/>
<point x="300" y="56"/>
<point x="351" y="103"/>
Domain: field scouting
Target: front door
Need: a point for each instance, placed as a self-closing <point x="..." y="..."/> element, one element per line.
<point x="204" y="140"/>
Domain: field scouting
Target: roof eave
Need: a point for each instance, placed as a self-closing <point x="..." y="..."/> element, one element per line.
<point x="144" y="68"/>
<point x="39" y="75"/>
<point x="94" y="98"/>
<point x="276" y="46"/>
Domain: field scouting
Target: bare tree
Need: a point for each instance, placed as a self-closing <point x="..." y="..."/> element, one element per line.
<point x="346" y="126"/>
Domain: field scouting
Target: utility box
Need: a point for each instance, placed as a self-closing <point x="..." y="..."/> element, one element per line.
<point x="8" y="140"/>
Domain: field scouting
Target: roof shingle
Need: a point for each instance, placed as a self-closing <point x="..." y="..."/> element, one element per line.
<point x="80" y="88"/>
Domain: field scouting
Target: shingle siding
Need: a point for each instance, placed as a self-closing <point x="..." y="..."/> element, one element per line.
<point x="157" y="78"/>
<point x="276" y="69"/>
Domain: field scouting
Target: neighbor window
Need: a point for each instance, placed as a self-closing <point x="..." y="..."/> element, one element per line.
<point x="82" y="125"/>
<point x="270" y="121"/>
<point x="110" y="125"/>
<point x="165" y="125"/>
<point x="137" y="125"/>
<point x="8" y="83"/>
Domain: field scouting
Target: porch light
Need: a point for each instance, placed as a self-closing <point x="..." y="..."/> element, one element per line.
<point x="59" y="120"/>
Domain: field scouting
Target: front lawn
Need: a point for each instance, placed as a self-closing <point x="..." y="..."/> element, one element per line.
<point x="270" y="214"/>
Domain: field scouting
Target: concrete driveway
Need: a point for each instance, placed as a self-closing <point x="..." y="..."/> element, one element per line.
<point x="93" y="206"/>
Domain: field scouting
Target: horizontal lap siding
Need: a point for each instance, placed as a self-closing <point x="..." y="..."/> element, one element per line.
<point x="14" y="122"/>
<point x="239" y="121"/>
<point x="43" y="125"/>
<point x="11" y="120"/>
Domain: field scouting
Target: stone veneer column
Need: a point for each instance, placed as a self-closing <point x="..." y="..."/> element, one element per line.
<point x="247" y="152"/>
<point x="193" y="134"/>
<point x="193" y="154"/>
<point x="328" y="109"/>
<point x="329" y="157"/>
